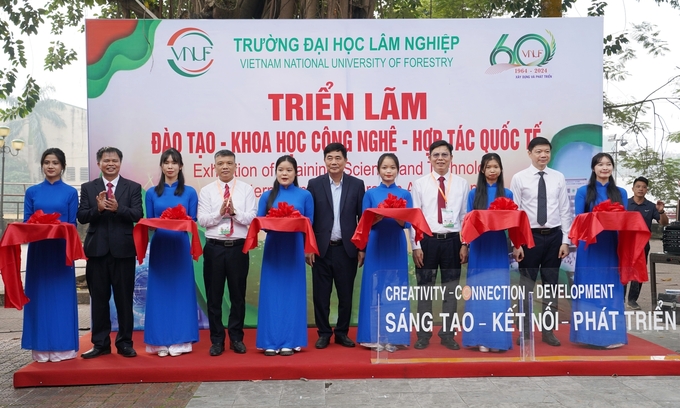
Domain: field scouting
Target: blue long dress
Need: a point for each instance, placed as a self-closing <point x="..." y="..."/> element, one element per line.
<point x="598" y="265"/>
<point x="282" y="309"/>
<point x="51" y="316"/>
<point x="386" y="264"/>
<point x="171" y="315"/>
<point x="488" y="265"/>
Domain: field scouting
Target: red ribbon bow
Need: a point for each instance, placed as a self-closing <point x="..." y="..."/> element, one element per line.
<point x="175" y="213"/>
<point x="284" y="210"/>
<point x="39" y="217"/>
<point x="503" y="203"/>
<point x="608" y="206"/>
<point x="392" y="201"/>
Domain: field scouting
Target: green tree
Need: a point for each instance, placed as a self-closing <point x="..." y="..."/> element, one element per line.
<point x="662" y="171"/>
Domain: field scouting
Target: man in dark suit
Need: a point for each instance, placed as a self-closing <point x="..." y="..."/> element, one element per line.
<point x="337" y="208"/>
<point x="111" y="205"/>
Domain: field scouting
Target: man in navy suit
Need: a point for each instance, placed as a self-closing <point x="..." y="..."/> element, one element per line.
<point x="337" y="207"/>
<point x="111" y="205"/>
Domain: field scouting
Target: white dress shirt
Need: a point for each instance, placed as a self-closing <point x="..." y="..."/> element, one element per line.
<point x="210" y="200"/>
<point x="336" y="193"/>
<point x="524" y="187"/>
<point x="425" y="194"/>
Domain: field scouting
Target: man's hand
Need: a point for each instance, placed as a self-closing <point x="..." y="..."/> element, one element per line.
<point x="418" y="258"/>
<point x="101" y="200"/>
<point x="111" y="204"/>
<point x="361" y="255"/>
<point x="463" y="254"/>
<point x="564" y="251"/>
<point x="309" y="259"/>
<point x="518" y="254"/>
<point x="660" y="205"/>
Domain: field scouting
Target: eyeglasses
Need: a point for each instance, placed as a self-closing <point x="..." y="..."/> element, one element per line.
<point x="440" y="155"/>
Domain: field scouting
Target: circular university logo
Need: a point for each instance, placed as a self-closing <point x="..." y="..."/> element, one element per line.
<point x="190" y="52"/>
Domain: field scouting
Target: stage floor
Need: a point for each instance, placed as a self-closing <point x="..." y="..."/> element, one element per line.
<point x="639" y="357"/>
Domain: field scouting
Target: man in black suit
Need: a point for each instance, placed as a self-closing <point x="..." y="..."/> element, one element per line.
<point x="111" y="205"/>
<point x="337" y="208"/>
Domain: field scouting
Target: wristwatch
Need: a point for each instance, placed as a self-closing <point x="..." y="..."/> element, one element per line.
<point x="662" y="212"/>
<point x="465" y="244"/>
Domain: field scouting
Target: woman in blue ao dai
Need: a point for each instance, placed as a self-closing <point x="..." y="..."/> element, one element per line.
<point x="385" y="265"/>
<point x="598" y="265"/>
<point x="488" y="263"/>
<point x="171" y="316"/>
<point x="50" y="327"/>
<point x="282" y="309"/>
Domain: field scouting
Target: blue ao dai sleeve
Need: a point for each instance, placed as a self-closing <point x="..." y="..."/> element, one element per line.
<point x="262" y="204"/>
<point x="409" y="204"/>
<point x="309" y="206"/>
<point x="580" y="200"/>
<point x="28" y="204"/>
<point x="192" y="209"/>
<point x="72" y="206"/>
<point x="150" y="197"/>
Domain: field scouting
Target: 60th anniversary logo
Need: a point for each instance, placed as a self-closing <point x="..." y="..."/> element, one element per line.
<point x="191" y="49"/>
<point x="530" y="50"/>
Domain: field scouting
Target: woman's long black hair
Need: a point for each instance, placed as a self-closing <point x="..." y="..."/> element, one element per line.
<point x="481" y="195"/>
<point x="177" y="158"/>
<point x="613" y="192"/>
<point x="277" y="186"/>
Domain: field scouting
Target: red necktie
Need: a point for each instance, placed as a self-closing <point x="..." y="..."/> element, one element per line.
<point x="227" y="194"/>
<point x="109" y="191"/>
<point x="441" y="203"/>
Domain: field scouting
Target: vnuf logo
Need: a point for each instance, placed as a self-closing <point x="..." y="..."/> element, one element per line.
<point x="191" y="49"/>
<point x="530" y="50"/>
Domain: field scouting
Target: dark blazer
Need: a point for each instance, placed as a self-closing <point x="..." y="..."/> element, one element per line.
<point x="110" y="231"/>
<point x="350" y="210"/>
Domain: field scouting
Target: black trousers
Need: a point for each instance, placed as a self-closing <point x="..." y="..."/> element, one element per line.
<point x="543" y="259"/>
<point x="225" y="264"/>
<point x="104" y="273"/>
<point x="443" y="254"/>
<point x="635" y="287"/>
<point x="339" y="268"/>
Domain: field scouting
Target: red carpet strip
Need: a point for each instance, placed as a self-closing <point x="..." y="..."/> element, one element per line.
<point x="639" y="357"/>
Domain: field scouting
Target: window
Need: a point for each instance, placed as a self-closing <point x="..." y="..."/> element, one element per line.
<point x="84" y="174"/>
<point x="70" y="174"/>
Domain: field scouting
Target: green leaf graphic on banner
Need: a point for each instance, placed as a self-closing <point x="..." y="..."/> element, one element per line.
<point x="126" y="54"/>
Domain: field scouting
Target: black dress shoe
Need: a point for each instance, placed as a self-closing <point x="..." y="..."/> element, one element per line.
<point x="549" y="337"/>
<point x="127" y="352"/>
<point x="450" y="344"/>
<point x="323" y="341"/>
<point x="237" y="346"/>
<point x="343" y="340"/>
<point x="96" y="352"/>
<point x="217" y="349"/>
<point x="421" y="344"/>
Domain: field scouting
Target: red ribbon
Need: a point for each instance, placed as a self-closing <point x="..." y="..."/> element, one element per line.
<point x="141" y="234"/>
<point x="608" y="206"/>
<point x="503" y="203"/>
<point x="632" y="232"/>
<point x="477" y="222"/>
<point x="412" y="215"/>
<point x="284" y="210"/>
<point x="392" y="201"/>
<point x="10" y="253"/>
<point x="294" y="224"/>
<point x="177" y="212"/>
<point x="39" y="217"/>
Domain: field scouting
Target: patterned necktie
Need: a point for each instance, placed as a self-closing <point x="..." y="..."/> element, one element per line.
<point x="441" y="203"/>
<point x="109" y="191"/>
<point x="542" y="209"/>
<point x="227" y="195"/>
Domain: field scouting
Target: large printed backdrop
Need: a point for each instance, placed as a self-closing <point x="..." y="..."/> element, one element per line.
<point x="266" y="88"/>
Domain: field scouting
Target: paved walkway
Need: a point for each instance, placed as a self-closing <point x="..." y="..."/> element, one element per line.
<point x="634" y="392"/>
